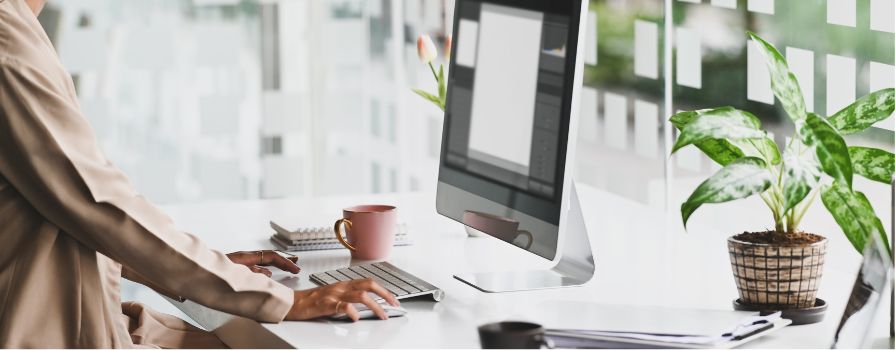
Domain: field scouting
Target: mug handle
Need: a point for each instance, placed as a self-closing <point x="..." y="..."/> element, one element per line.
<point x="531" y="238"/>
<point x="338" y="230"/>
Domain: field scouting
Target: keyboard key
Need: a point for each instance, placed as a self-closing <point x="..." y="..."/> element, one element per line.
<point x="396" y="280"/>
<point x="326" y="278"/>
<point x="385" y="284"/>
<point x="339" y="276"/>
<point x="391" y="288"/>
<point x="351" y="274"/>
<point x="401" y="287"/>
<point x="376" y="297"/>
<point x="406" y="277"/>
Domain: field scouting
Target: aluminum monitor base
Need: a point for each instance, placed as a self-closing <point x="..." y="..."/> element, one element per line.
<point x="574" y="268"/>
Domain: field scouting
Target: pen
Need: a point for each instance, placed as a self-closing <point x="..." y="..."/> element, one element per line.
<point x="757" y="331"/>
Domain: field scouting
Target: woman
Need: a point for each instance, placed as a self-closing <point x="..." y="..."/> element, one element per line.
<point x="71" y="226"/>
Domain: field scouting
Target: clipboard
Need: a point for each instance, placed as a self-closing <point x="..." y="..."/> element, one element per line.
<point x="571" y="339"/>
<point x="604" y="320"/>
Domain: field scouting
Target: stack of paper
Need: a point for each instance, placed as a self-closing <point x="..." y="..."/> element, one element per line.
<point x="320" y="238"/>
<point x="750" y="328"/>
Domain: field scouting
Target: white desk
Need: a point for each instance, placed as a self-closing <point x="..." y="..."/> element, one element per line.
<point x="643" y="258"/>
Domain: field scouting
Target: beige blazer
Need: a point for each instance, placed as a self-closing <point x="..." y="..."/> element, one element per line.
<point x="69" y="220"/>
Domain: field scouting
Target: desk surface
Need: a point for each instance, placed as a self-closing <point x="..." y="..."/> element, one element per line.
<point x="643" y="258"/>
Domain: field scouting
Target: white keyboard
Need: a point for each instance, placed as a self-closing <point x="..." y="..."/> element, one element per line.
<point x="399" y="282"/>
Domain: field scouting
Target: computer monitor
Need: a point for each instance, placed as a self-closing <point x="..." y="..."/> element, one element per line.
<point x="866" y="300"/>
<point x="509" y="135"/>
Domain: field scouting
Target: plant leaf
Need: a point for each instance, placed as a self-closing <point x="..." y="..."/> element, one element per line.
<point x="680" y="120"/>
<point x="431" y="98"/>
<point x="442" y="87"/>
<point x="865" y="112"/>
<point x="740" y="179"/>
<point x="829" y="146"/>
<point x="725" y="151"/>
<point x="722" y="123"/>
<point x="874" y="164"/>
<point x="854" y="214"/>
<point x="801" y="173"/>
<point x="763" y="148"/>
<point x="720" y="151"/>
<point x="783" y="82"/>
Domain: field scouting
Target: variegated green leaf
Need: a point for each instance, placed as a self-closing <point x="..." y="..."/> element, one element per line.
<point x="801" y="173"/>
<point x="740" y="179"/>
<point x="720" y="151"/>
<point x="865" y="112"/>
<point x="722" y="123"/>
<point x="725" y="151"/>
<point x="829" y="146"/>
<point x="783" y="82"/>
<point x="681" y="119"/>
<point x="874" y="164"/>
<point x="854" y="214"/>
<point x="763" y="148"/>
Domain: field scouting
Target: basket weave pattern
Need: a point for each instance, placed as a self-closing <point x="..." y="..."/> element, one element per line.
<point x="775" y="276"/>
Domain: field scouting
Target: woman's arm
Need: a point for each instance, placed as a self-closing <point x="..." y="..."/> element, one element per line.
<point x="135" y="277"/>
<point x="251" y="260"/>
<point x="48" y="152"/>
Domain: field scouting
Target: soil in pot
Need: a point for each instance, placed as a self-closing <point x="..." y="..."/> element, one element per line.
<point x="774" y="238"/>
<point x="777" y="271"/>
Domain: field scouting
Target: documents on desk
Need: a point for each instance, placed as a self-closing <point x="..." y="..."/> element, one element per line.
<point x="750" y="328"/>
<point x="320" y="237"/>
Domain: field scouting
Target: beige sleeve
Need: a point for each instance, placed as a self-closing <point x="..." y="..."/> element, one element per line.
<point x="48" y="152"/>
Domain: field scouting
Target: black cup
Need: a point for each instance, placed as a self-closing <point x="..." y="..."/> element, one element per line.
<point x="512" y="335"/>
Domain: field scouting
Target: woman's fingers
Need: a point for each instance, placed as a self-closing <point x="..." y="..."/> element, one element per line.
<point x="351" y="311"/>
<point x="265" y="258"/>
<point x="271" y="258"/>
<point x="363" y="298"/>
<point x="371" y="286"/>
<point x="261" y="270"/>
<point x="339" y="298"/>
<point x="242" y="258"/>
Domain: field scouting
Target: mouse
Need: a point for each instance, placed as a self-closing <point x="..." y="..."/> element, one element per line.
<point x="366" y="314"/>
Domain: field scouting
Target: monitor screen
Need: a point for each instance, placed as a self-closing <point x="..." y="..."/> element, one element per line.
<point x="507" y="118"/>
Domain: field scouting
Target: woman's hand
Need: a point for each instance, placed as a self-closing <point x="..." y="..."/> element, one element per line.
<point x="255" y="260"/>
<point x="339" y="298"/>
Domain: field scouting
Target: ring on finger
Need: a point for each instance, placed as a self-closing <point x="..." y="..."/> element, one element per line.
<point x="338" y="306"/>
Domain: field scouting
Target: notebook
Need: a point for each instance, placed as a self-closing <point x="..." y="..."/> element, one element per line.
<point x="320" y="238"/>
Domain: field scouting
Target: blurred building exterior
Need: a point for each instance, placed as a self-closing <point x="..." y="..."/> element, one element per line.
<point x="203" y="100"/>
<point x="243" y="99"/>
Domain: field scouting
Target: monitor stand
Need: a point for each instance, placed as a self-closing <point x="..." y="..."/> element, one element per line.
<point x="574" y="268"/>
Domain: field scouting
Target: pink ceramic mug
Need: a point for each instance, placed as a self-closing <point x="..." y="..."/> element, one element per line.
<point x="369" y="230"/>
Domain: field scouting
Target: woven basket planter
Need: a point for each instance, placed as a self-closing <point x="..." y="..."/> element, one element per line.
<point x="777" y="277"/>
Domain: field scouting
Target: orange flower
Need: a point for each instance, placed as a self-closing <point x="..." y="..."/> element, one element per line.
<point x="448" y="43"/>
<point x="426" y="49"/>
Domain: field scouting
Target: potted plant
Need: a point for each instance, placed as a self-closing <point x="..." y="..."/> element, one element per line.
<point x="780" y="269"/>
